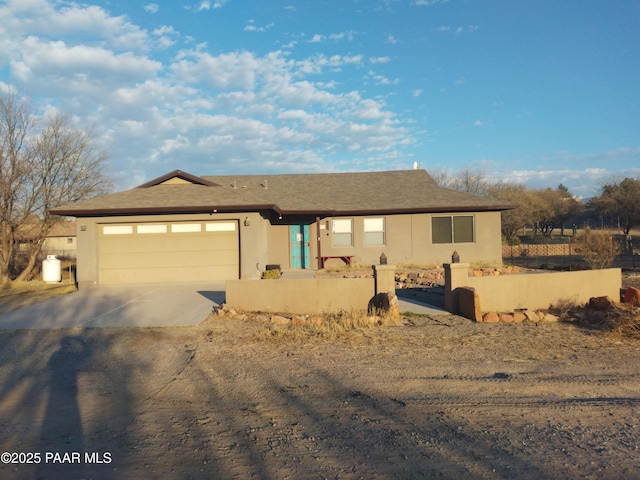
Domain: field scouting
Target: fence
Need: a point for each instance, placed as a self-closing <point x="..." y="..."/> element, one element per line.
<point x="560" y="252"/>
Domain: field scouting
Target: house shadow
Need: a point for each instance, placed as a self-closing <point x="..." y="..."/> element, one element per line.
<point x="61" y="431"/>
<point x="216" y="296"/>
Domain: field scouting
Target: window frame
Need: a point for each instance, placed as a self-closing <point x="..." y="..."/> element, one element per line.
<point x="375" y="232"/>
<point x="451" y="237"/>
<point x="342" y="232"/>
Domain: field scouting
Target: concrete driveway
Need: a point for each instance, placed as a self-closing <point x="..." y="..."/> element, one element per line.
<point x="122" y="306"/>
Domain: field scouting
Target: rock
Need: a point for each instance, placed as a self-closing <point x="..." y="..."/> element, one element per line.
<point x="506" y="318"/>
<point x="278" y="320"/>
<point x="315" y="321"/>
<point x="490" y="317"/>
<point x="519" y="317"/>
<point x="386" y="304"/>
<point x="226" y="310"/>
<point x="469" y="303"/>
<point x="531" y="316"/>
<point x="632" y="296"/>
<point x="540" y="315"/>
<point x="298" y="320"/>
<point x="548" y="318"/>
<point x="601" y="303"/>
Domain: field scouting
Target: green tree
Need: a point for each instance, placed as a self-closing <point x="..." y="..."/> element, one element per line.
<point x="555" y="208"/>
<point x="620" y="202"/>
<point x="515" y="219"/>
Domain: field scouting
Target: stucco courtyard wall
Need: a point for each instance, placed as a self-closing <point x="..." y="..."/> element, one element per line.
<point x="531" y="290"/>
<point x="312" y="295"/>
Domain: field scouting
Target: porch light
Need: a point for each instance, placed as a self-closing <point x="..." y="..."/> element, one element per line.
<point x="383" y="259"/>
<point x="455" y="258"/>
<point x="247" y="222"/>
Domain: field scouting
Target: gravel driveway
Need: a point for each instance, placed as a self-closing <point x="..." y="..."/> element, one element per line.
<point x="438" y="397"/>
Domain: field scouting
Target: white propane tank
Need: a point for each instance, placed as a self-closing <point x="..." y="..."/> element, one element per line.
<point x="51" y="270"/>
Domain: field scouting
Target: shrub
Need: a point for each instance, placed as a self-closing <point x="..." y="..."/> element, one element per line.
<point x="597" y="248"/>
<point x="271" y="274"/>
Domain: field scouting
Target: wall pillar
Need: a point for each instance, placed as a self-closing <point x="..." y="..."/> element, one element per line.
<point x="384" y="277"/>
<point x="455" y="275"/>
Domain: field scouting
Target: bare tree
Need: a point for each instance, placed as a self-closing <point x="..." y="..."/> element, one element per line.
<point x="466" y="180"/>
<point x="40" y="168"/>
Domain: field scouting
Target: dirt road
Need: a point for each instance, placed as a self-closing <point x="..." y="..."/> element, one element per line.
<point x="438" y="397"/>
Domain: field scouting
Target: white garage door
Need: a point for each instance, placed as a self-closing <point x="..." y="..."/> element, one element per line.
<point x="168" y="252"/>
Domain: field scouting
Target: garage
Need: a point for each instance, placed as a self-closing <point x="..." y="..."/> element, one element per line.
<point x="162" y="252"/>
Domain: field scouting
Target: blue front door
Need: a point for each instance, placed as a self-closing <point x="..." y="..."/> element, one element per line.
<point x="299" y="246"/>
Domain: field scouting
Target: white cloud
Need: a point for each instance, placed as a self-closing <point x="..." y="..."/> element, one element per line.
<point x="165" y="36"/>
<point x="56" y="65"/>
<point x="457" y="30"/>
<point x="392" y="40"/>
<point x="252" y="27"/>
<point x="347" y="35"/>
<point x="272" y="112"/>
<point x="151" y="8"/>
<point x="375" y="60"/>
<point x="429" y="3"/>
<point x="382" y="80"/>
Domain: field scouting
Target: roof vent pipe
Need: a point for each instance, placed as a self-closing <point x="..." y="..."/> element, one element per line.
<point x="234" y="184"/>
<point x="265" y="184"/>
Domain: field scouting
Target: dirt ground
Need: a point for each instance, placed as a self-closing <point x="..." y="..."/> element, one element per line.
<point x="436" y="397"/>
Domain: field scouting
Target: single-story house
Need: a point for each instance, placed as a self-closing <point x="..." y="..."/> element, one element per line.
<point x="60" y="241"/>
<point x="184" y="228"/>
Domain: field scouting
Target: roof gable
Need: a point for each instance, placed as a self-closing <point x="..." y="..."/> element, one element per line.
<point x="178" y="177"/>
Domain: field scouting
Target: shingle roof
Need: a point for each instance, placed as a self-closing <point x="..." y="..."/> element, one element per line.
<point x="323" y="194"/>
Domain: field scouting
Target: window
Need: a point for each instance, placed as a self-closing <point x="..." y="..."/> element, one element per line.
<point x="453" y="229"/>
<point x="373" y="231"/>
<point x="117" y="229"/>
<point x="342" y="232"/>
<point x="186" y="227"/>
<point x="152" y="229"/>
<point x="220" y="227"/>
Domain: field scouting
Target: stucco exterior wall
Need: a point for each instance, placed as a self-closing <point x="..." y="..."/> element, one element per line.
<point x="252" y="238"/>
<point x="278" y="241"/>
<point x="408" y="239"/>
<point x="505" y="293"/>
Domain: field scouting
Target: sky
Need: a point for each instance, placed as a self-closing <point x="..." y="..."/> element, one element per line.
<point x="540" y="92"/>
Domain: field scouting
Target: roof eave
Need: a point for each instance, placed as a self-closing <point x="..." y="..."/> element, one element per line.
<point x="444" y="209"/>
<point x="107" y="212"/>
